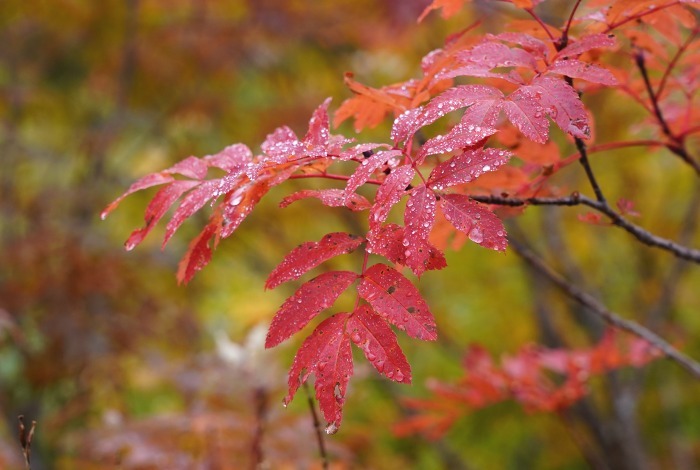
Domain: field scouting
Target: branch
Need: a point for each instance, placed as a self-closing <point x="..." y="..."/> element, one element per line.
<point x="577" y="199"/>
<point x="610" y="317"/>
<point x="317" y="426"/>
<point x="25" y="440"/>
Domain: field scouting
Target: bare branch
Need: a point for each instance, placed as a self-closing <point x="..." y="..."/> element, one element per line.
<point x="577" y="199"/>
<point x="610" y="317"/>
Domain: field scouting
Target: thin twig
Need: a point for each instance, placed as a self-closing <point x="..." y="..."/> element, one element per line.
<point x="317" y="426"/>
<point x="676" y="145"/>
<point x="610" y="317"/>
<point x="576" y="199"/>
<point x="25" y="440"/>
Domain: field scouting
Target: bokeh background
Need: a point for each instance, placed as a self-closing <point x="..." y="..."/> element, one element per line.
<point x="122" y="368"/>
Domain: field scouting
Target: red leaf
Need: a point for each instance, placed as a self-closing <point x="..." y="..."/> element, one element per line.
<point x="364" y="171"/>
<point x="477" y="221"/>
<point x="418" y="220"/>
<point x="307" y="302"/>
<point x="452" y="99"/>
<point x="310" y="254"/>
<point x="232" y="158"/>
<point x="583" y="70"/>
<point x="281" y="144"/>
<point x="327" y="354"/>
<point x="191" y="167"/>
<point x="461" y="136"/>
<point x="375" y="337"/>
<point x="467" y="167"/>
<point x="490" y="55"/>
<point x="389" y="193"/>
<point x="393" y="297"/>
<point x="586" y="43"/>
<point x="147" y="181"/>
<point x="563" y="105"/>
<point x="527" y="42"/>
<point x="197" y="256"/>
<point x="525" y="111"/>
<point x="190" y="204"/>
<point x="158" y="206"/>
<point x="330" y="198"/>
<point x="387" y="241"/>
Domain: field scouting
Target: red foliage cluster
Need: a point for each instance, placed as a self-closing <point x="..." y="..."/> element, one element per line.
<point x="528" y="81"/>
<point x="545" y="380"/>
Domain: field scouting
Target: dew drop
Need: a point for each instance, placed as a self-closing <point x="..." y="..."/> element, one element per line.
<point x="331" y="428"/>
<point x="371" y="357"/>
<point x="476" y="235"/>
<point x="487" y="168"/>
<point x="405" y="242"/>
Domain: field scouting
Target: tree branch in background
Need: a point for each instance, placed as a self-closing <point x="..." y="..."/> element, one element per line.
<point x="577" y="199"/>
<point x="610" y="317"/>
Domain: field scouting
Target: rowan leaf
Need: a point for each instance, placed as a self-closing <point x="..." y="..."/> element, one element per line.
<point x="476" y="220"/>
<point x="308" y="301"/>
<point x="461" y="136"/>
<point x="490" y="55"/>
<point x="562" y="103"/>
<point x="367" y="167"/>
<point x="452" y="99"/>
<point x="579" y="69"/>
<point x="389" y="193"/>
<point x="330" y="198"/>
<point x="393" y="297"/>
<point x="374" y="336"/>
<point x="197" y="256"/>
<point x="231" y="159"/>
<point x="467" y="167"/>
<point x="327" y="354"/>
<point x="525" y="111"/>
<point x="310" y="254"/>
<point x="585" y="44"/>
<point x="158" y="206"/>
<point x="147" y="181"/>
<point x="419" y="218"/>
<point x="530" y="43"/>
<point x="387" y="241"/>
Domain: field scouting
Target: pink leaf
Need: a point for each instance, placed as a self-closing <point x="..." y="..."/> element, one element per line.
<point x="461" y="136"/>
<point x="375" y="337"/>
<point x="418" y="220"/>
<point x="389" y="193"/>
<point x="525" y="111"/>
<point x="583" y="70"/>
<point x="467" y="167"/>
<point x="586" y="43"/>
<point x="452" y="99"/>
<point x="490" y="55"/>
<point x="191" y="167"/>
<point x="158" y="206"/>
<point x="327" y="354"/>
<point x="527" y="42"/>
<point x="281" y="144"/>
<point x="197" y="256"/>
<point x="367" y="167"/>
<point x="307" y="302"/>
<point x="147" y="181"/>
<point x="477" y="221"/>
<point x="563" y="105"/>
<point x="232" y="158"/>
<point x="387" y="241"/>
<point x="309" y="255"/>
<point x="330" y="198"/>
<point x="393" y="297"/>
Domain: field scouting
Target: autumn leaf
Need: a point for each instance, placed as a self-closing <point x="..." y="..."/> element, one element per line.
<point x="393" y="297"/>
<point x="307" y="302"/>
<point x="474" y="219"/>
<point x="310" y="254"/>
<point x="374" y="336"/>
<point x="327" y="354"/>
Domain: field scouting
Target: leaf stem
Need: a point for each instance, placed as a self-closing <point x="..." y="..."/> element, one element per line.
<point x="317" y="426"/>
